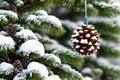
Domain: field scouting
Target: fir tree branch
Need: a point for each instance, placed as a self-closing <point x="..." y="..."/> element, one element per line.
<point x="109" y="52"/>
<point x="106" y="27"/>
<point x="50" y="60"/>
<point x="27" y="4"/>
<point x="110" y="37"/>
<point x="108" y="70"/>
<point x="69" y="57"/>
<point x="92" y="72"/>
<point x="36" y="5"/>
<point x="66" y="72"/>
<point x="43" y="24"/>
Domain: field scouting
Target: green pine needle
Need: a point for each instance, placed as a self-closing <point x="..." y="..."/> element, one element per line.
<point x="94" y="73"/>
<point x="69" y="57"/>
<point x="106" y="27"/>
<point x="43" y="24"/>
<point x="50" y="60"/>
<point x="46" y="4"/>
<point x="108" y="70"/>
<point x="110" y="37"/>
<point x="66" y="72"/>
<point x="109" y="52"/>
<point x="65" y="3"/>
<point x="7" y="17"/>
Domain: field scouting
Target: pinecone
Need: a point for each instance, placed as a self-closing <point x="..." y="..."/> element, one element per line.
<point x="13" y="8"/>
<point x="12" y="30"/>
<point x="18" y="66"/>
<point x="86" y="40"/>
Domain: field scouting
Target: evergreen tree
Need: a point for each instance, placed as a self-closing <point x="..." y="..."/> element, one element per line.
<point x="35" y="40"/>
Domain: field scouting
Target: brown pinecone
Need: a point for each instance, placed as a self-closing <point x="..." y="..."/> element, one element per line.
<point x="12" y="30"/>
<point x="18" y="66"/>
<point x="86" y="40"/>
<point x="13" y="8"/>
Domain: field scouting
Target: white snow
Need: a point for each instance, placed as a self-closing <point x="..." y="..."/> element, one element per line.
<point x="81" y="31"/>
<point x="116" y="46"/>
<point x="53" y="77"/>
<point x="76" y="34"/>
<point x="69" y="23"/>
<point x="89" y="49"/>
<point x="84" y="25"/>
<point x="85" y="30"/>
<point x="68" y="69"/>
<point x="97" y="70"/>
<point x="16" y="77"/>
<point x="20" y="76"/>
<point x="26" y="34"/>
<point x="92" y="47"/>
<point x="101" y="19"/>
<point x="41" y="12"/>
<point x="3" y="33"/>
<point x="114" y="0"/>
<point x="47" y="19"/>
<point x="94" y="56"/>
<point x="32" y="46"/>
<point x="93" y="28"/>
<point x="31" y="17"/>
<point x="116" y="4"/>
<point x="90" y="5"/>
<point x="87" y="35"/>
<point x="94" y="37"/>
<point x="65" y="66"/>
<point x="52" y="56"/>
<point x="112" y="4"/>
<point x="50" y="19"/>
<point x="35" y="66"/>
<point x="84" y="41"/>
<point x="93" y="32"/>
<point x="3" y="18"/>
<point x="96" y="44"/>
<point x="19" y="2"/>
<point x="81" y="50"/>
<point x="102" y="4"/>
<point x="115" y="61"/>
<point x="75" y="40"/>
<point x="77" y="46"/>
<point x="6" y="67"/>
<point x="86" y="70"/>
<point x="75" y="31"/>
<point x="6" y="42"/>
<point x="80" y="22"/>
<point x="42" y="0"/>
<point x="98" y="47"/>
<point x="105" y="19"/>
<point x="89" y="26"/>
<point x="9" y="13"/>
<point x="88" y="78"/>
<point x="79" y="28"/>
<point x="104" y="62"/>
<point x="2" y="79"/>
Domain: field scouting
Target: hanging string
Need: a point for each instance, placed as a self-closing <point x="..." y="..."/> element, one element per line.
<point x="86" y="18"/>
